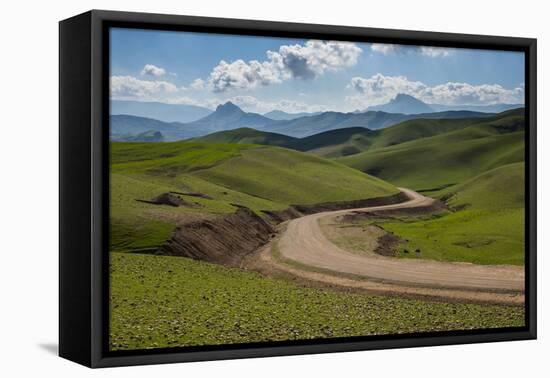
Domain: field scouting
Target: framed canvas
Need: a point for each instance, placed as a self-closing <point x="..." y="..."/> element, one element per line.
<point x="235" y="188"/>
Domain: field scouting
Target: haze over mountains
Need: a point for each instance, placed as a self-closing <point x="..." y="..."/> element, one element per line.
<point x="279" y="115"/>
<point x="405" y="104"/>
<point x="146" y="119"/>
<point x="159" y="111"/>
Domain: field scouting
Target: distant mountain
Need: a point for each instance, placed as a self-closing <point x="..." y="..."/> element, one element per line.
<point x="279" y="115"/>
<point x="226" y="117"/>
<point x="147" y="136"/>
<point x="497" y="108"/>
<point x="245" y="135"/>
<point x="305" y="126"/>
<point x="353" y="140"/>
<point x="407" y="104"/>
<point x="160" y="111"/>
<point x="124" y="126"/>
<point x="403" y="104"/>
<point x="229" y="116"/>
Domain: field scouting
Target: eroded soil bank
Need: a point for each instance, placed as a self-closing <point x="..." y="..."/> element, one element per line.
<point x="225" y="240"/>
<point x="229" y="239"/>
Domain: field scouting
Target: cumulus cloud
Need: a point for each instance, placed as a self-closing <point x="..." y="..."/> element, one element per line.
<point x="129" y="86"/>
<point x="430" y="51"/>
<point x="379" y="89"/>
<point x="197" y="84"/>
<point x="307" y="61"/>
<point x="152" y="70"/>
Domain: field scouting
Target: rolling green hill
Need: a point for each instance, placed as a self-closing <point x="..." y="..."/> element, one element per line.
<point x="486" y="225"/>
<point x="258" y="177"/>
<point x="335" y="143"/>
<point x="498" y="188"/>
<point x="429" y="163"/>
<point x="245" y="135"/>
<point x="347" y="142"/>
<point x="476" y="167"/>
<point x="353" y="140"/>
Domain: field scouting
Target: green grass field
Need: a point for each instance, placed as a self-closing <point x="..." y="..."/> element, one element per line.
<point x="159" y="301"/>
<point x="472" y="235"/>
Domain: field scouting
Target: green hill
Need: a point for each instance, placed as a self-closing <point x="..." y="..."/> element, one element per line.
<point x="446" y="159"/>
<point x="289" y="177"/>
<point x="502" y="187"/>
<point x="486" y="225"/>
<point x="345" y="142"/>
<point x="348" y="141"/>
<point x="247" y="135"/>
<point x="335" y="143"/>
<point x="225" y="175"/>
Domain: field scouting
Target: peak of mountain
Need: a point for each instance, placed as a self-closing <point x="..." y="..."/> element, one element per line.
<point x="228" y="108"/>
<point x="226" y="117"/>
<point x="403" y="103"/>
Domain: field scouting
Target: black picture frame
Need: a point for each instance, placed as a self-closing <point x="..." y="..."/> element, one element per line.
<point x="84" y="191"/>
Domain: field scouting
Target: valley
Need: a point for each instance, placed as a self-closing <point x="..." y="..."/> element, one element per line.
<point x="253" y="211"/>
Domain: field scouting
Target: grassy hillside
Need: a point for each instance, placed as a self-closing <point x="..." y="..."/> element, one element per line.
<point x="352" y="140"/>
<point x="488" y="227"/>
<point x="245" y="135"/>
<point x="502" y="187"/>
<point x="160" y="301"/>
<point x="290" y="177"/>
<point x="477" y="168"/>
<point x="258" y="177"/>
<point x="441" y="160"/>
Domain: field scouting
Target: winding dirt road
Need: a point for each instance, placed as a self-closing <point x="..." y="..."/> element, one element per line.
<point x="304" y="242"/>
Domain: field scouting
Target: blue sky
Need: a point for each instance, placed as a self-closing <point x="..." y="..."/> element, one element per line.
<point x="261" y="74"/>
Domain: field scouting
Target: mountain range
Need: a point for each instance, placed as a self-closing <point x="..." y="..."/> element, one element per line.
<point x="406" y="104"/>
<point x="229" y="116"/>
<point x="159" y="111"/>
<point x="279" y="115"/>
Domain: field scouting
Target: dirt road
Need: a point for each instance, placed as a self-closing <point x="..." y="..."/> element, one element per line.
<point x="304" y="242"/>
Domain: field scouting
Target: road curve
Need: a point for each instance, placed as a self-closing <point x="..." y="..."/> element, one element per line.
<point x="305" y="243"/>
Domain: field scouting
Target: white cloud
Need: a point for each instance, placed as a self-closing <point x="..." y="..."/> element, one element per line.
<point x="197" y="84"/>
<point x="129" y="86"/>
<point x="384" y="48"/>
<point x="307" y="61"/>
<point x="252" y="104"/>
<point x="185" y="100"/>
<point x="430" y="51"/>
<point x="152" y="70"/>
<point x="249" y="104"/>
<point x="379" y="89"/>
<point x="434" y="52"/>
